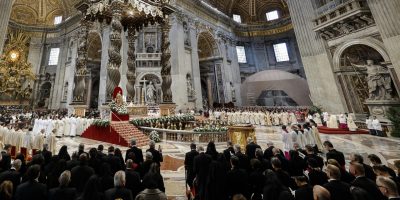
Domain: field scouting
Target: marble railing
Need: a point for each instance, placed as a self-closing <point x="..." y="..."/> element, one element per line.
<point x="148" y="56"/>
<point x="187" y="136"/>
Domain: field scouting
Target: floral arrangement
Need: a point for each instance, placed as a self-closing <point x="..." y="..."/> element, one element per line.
<point x="210" y="129"/>
<point x="170" y="119"/>
<point x="154" y="136"/>
<point x="101" y="122"/>
<point x="120" y="109"/>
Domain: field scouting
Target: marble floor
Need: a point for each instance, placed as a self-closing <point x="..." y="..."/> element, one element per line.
<point x="388" y="149"/>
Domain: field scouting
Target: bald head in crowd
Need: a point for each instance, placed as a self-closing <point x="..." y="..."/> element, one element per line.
<point x="356" y="169"/>
<point x="320" y="193"/>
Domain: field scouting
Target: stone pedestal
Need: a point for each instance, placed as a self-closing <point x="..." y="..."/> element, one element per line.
<point x="167" y="109"/>
<point x="138" y="110"/>
<point x="79" y="110"/>
<point x="379" y="108"/>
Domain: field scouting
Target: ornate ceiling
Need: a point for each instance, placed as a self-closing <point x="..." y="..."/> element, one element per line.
<point x="251" y="11"/>
<point x="41" y="12"/>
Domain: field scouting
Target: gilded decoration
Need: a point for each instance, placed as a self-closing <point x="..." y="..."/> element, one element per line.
<point x="15" y="72"/>
<point x="41" y="12"/>
<point x="267" y="32"/>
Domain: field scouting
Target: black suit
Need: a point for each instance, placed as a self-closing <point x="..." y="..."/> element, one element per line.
<point x="118" y="193"/>
<point x="244" y="161"/>
<point x="138" y="154"/>
<point x="228" y="152"/>
<point x="317" y="177"/>
<point x="31" y="189"/>
<point x="80" y="175"/>
<point x="336" y="155"/>
<point x="339" y="190"/>
<point x="304" y="192"/>
<point x="189" y="160"/>
<point x="157" y="156"/>
<point x="133" y="182"/>
<point x="62" y="193"/>
<point x="268" y="153"/>
<point x="114" y="162"/>
<point x="251" y="150"/>
<point x="46" y="155"/>
<point x="5" y="163"/>
<point x="201" y="165"/>
<point x="237" y="182"/>
<point x="369" y="172"/>
<point x="320" y="161"/>
<point x="369" y="186"/>
<point x="13" y="176"/>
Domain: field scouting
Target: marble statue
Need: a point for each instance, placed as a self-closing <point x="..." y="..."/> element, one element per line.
<point x="150" y="93"/>
<point x="379" y="81"/>
<point x="190" y="90"/>
<point x="233" y="92"/>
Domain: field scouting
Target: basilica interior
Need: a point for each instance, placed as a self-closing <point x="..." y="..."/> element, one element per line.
<point x="178" y="57"/>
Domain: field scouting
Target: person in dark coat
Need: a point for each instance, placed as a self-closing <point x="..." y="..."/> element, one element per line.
<point x="265" y="164"/>
<point x="315" y="174"/>
<point x="31" y="189"/>
<point x="282" y="175"/>
<point x="92" y="190"/>
<point x="338" y="189"/>
<point x="311" y="154"/>
<point x="5" y="162"/>
<point x="237" y="180"/>
<point x="375" y="160"/>
<point x="369" y="172"/>
<point x="106" y="177"/>
<point x="73" y="162"/>
<point x="216" y="179"/>
<point x="135" y="150"/>
<point x="332" y="153"/>
<point x="63" y="153"/>
<point x="256" y="179"/>
<point x="157" y="154"/>
<point x="189" y="159"/>
<point x="113" y="160"/>
<point x="155" y="173"/>
<point x="133" y="181"/>
<point x="119" y="191"/>
<point x="357" y="169"/>
<point x="388" y="188"/>
<point x="201" y="165"/>
<point x="81" y="174"/>
<point x="12" y="174"/>
<point x="100" y="152"/>
<point x="296" y="164"/>
<point x="251" y="148"/>
<point x="46" y="154"/>
<point x="274" y="189"/>
<point x="146" y="164"/>
<point x="344" y="175"/>
<point x="63" y="192"/>
<point x="268" y="151"/>
<point x="228" y="152"/>
<point x="304" y="190"/>
<point x="244" y="161"/>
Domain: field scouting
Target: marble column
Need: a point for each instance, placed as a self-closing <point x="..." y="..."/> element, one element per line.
<point x="210" y="92"/>
<point x="387" y="17"/>
<point x="5" y="13"/>
<point x="104" y="61"/>
<point x="316" y="58"/>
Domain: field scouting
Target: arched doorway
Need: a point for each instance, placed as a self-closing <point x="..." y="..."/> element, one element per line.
<point x="93" y="65"/>
<point x="212" y="88"/>
<point x="353" y="79"/>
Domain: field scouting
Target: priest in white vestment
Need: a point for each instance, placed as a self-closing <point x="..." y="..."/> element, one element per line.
<point x="332" y="123"/>
<point x="39" y="140"/>
<point x="286" y="139"/>
<point x="51" y="141"/>
<point x="73" y="124"/>
<point x="28" y="140"/>
<point x="351" y="124"/>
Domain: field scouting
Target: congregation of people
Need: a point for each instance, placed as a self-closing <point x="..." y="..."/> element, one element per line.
<point x="94" y="175"/>
<point x="304" y="174"/>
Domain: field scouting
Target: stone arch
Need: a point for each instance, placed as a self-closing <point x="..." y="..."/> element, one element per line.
<point x="370" y="42"/>
<point x="153" y="75"/>
<point x="207" y="45"/>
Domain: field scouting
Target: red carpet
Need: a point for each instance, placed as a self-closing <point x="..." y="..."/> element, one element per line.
<point x="120" y="133"/>
<point x="326" y="130"/>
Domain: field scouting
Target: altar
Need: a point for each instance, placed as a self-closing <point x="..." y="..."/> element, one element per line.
<point x="238" y="134"/>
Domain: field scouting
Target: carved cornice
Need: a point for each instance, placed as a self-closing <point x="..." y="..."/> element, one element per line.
<point x="260" y="33"/>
